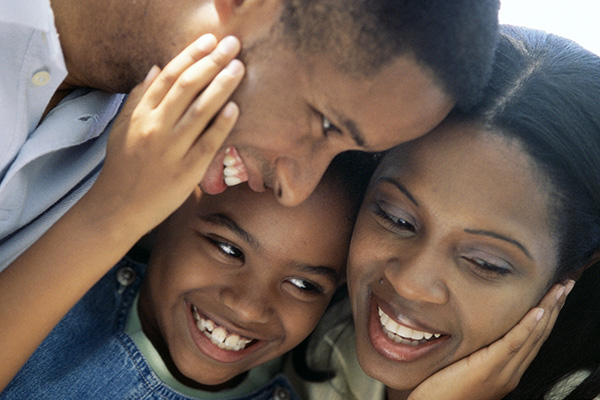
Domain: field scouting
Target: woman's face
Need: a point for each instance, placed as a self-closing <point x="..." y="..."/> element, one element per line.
<point x="453" y="245"/>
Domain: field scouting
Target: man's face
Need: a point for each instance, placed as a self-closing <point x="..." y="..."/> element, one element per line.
<point x="298" y="112"/>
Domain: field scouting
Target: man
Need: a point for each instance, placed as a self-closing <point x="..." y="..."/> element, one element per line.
<point x="322" y="77"/>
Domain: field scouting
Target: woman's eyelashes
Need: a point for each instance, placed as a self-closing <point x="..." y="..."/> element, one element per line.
<point x="486" y="268"/>
<point x="394" y="222"/>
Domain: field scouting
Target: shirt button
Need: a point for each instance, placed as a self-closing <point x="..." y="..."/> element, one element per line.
<point x="126" y="276"/>
<point x="40" y="78"/>
<point x="281" y="394"/>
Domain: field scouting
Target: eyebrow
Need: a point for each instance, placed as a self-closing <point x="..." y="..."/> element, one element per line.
<point x="225" y="221"/>
<point x="352" y="127"/>
<point x="400" y="187"/>
<point x="501" y="237"/>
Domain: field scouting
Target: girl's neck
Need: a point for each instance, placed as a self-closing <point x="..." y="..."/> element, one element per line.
<point x="393" y="394"/>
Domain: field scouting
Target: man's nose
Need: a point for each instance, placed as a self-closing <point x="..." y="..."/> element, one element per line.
<point x="297" y="178"/>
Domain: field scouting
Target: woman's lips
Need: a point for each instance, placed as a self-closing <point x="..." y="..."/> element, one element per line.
<point x="397" y="341"/>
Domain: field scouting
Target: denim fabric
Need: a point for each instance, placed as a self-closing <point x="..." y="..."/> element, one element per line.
<point x="88" y="356"/>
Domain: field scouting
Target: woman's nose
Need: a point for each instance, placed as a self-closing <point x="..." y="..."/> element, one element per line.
<point x="418" y="279"/>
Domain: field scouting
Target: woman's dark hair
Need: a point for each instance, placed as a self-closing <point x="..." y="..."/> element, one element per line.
<point x="544" y="91"/>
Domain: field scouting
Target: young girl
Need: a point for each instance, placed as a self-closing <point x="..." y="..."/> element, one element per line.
<point x="464" y="230"/>
<point x="234" y="281"/>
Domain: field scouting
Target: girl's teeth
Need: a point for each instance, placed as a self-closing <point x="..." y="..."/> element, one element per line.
<point x="229" y="160"/>
<point x="219" y="335"/>
<point x="402" y="334"/>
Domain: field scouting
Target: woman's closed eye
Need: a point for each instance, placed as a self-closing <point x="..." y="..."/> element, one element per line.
<point x="487" y="269"/>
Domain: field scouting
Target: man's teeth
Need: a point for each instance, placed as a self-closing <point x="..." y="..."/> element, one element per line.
<point x="230" y="172"/>
<point x="219" y="335"/>
<point x="402" y="334"/>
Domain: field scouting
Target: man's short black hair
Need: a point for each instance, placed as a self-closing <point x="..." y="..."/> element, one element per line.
<point x="454" y="39"/>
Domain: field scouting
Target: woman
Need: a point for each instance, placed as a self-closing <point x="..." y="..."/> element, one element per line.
<point x="464" y="230"/>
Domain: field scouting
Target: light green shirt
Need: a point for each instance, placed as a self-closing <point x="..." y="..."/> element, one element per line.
<point x="257" y="377"/>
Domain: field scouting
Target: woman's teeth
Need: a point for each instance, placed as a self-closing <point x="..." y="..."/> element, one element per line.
<point x="402" y="334"/>
<point x="230" y="171"/>
<point x="219" y="335"/>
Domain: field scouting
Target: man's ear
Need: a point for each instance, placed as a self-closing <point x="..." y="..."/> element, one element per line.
<point x="244" y="17"/>
<point x="595" y="258"/>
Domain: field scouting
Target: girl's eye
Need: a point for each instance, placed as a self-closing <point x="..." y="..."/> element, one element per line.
<point x="394" y="222"/>
<point x="328" y="127"/>
<point x="305" y="285"/>
<point x="486" y="269"/>
<point x="226" y="248"/>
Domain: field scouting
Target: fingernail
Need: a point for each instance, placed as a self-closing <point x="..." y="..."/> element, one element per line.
<point x="230" y="45"/>
<point x="206" y="42"/>
<point x="235" y="67"/>
<point x="229" y="110"/>
<point x="569" y="286"/>
<point x="540" y="314"/>
<point x="560" y="292"/>
<point x="154" y="71"/>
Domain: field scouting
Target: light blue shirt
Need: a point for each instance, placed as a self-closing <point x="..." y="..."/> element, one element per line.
<point x="44" y="168"/>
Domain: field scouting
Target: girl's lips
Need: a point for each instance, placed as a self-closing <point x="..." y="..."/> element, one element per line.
<point x="221" y="353"/>
<point x="405" y="345"/>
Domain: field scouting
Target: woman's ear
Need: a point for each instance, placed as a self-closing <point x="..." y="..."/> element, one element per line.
<point x="594" y="259"/>
<point x="245" y="17"/>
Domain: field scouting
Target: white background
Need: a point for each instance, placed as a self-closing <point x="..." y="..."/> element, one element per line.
<point x="578" y="20"/>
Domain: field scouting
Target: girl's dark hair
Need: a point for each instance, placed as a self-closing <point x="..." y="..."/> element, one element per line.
<point x="544" y="91"/>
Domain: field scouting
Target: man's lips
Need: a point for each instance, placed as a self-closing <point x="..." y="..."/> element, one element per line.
<point x="228" y="169"/>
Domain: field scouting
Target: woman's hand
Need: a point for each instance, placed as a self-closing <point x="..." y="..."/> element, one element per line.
<point x="495" y="371"/>
<point x="168" y="132"/>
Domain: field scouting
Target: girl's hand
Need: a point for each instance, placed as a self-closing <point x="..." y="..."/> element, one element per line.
<point x="495" y="371"/>
<point x="168" y="132"/>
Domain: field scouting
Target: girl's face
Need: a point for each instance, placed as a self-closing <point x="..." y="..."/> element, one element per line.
<point x="237" y="279"/>
<point x="453" y="245"/>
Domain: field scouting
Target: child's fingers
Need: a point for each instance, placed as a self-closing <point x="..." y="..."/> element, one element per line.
<point x="204" y="149"/>
<point x="207" y="105"/>
<point x="198" y="77"/>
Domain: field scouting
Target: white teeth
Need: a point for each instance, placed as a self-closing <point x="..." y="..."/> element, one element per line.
<point x="219" y="335"/>
<point x="232" y="180"/>
<point x="230" y="173"/>
<point x="229" y="160"/>
<point x="402" y="334"/>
